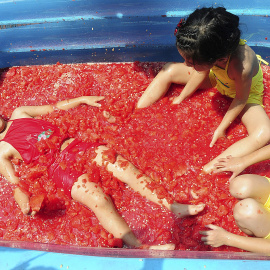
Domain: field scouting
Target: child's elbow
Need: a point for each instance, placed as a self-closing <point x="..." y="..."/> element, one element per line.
<point x="18" y="112"/>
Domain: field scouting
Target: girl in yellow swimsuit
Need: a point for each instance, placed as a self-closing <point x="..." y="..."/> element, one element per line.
<point x="209" y="42"/>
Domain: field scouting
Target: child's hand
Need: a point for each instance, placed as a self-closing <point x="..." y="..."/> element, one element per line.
<point x="215" y="237"/>
<point x="177" y="100"/>
<point x="219" y="133"/>
<point x="93" y="100"/>
<point x="230" y="164"/>
<point x="109" y="117"/>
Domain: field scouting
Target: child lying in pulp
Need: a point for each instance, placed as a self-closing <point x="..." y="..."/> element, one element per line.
<point x="18" y="140"/>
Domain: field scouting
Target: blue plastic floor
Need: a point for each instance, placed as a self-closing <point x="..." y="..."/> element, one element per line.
<point x="20" y="259"/>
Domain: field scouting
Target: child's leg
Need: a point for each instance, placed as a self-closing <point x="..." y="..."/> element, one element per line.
<point x="252" y="217"/>
<point x="92" y="196"/>
<point x="138" y="182"/>
<point x="250" y="213"/>
<point x="171" y="73"/>
<point x="257" y="123"/>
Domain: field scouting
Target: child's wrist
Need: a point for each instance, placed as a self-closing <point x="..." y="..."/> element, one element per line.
<point x="245" y="162"/>
<point x="228" y="238"/>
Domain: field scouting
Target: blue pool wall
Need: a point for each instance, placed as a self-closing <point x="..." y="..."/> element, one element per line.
<point x="35" y="32"/>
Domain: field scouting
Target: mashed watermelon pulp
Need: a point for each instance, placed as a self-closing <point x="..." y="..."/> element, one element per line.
<point x="168" y="142"/>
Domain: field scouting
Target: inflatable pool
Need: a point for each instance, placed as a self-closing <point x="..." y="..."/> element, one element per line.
<point x="45" y="33"/>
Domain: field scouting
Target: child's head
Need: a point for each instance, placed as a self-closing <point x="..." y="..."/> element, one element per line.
<point x="208" y="34"/>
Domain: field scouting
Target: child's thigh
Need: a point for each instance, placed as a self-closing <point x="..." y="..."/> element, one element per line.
<point x="178" y="73"/>
<point x="88" y="193"/>
<point x="254" y="117"/>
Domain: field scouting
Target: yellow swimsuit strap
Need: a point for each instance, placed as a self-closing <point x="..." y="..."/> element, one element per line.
<point x="262" y="60"/>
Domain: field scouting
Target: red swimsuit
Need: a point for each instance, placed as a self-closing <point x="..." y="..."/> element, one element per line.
<point x="24" y="133"/>
<point x="65" y="178"/>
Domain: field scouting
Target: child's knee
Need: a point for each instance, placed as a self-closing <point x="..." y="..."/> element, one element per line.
<point x="263" y="135"/>
<point x="240" y="187"/>
<point x="89" y="193"/>
<point x="245" y="210"/>
<point x="170" y="70"/>
<point x="100" y="203"/>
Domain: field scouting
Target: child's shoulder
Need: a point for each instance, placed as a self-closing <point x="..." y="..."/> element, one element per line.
<point x="243" y="53"/>
<point x="243" y="60"/>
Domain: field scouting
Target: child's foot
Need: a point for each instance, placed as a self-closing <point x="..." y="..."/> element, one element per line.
<point x="208" y="168"/>
<point x="160" y="247"/>
<point x="184" y="210"/>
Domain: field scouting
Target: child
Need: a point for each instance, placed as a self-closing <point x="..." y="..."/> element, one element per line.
<point x="215" y="56"/>
<point x="19" y="140"/>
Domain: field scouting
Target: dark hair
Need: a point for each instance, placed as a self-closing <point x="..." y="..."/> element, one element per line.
<point x="208" y="34"/>
<point x="2" y="124"/>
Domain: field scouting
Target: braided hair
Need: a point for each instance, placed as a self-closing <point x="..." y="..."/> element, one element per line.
<point x="208" y="34"/>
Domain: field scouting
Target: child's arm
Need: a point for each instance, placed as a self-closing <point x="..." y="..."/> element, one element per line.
<point x="217" y="237"/>
<point x="234" y="110"/>
<point x="237" y="164"/>
<point x="193" y="84"/>
<point x="177" y="73"/>
<point x="243" y="82"/>
<point x="32" y="111"/>
<point x="7" y="169"/>
<point x="74" y="102"/>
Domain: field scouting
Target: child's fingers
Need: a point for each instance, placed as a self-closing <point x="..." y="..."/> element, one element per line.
<point x="219" y="170"/>
<point x="219" y="165"/>
<point x="214" y="139"/>
<point x="96" y="100"/>
<point x="99" y="98"/>
<point x="213" y="142"/>
<point x="211" y="226"/>
<point x="222" y="159"/>
<point x="95" y="104"/>
<point x="176" y="101"/>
